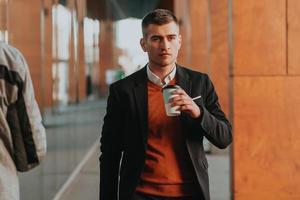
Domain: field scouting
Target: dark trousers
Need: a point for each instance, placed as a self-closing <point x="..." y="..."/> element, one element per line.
<point x="140" y="196"/>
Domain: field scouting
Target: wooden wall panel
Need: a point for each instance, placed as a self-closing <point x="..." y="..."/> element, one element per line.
<point x="259" y="29"/>
<point x="266" y="139"/>
<point x="204" y="28"/>
<point x="81" y="5"/>
<point x="81" y="64"/>
<point x="47" y="57"/>
<point x="181" y="10"/>
<point x="219" y="54"/>
<point x="198" y="56"/>
<point x="73" y="60"/>
<point x="24" y="33"/>
<point x="106" y="39"/>
<point x="293" y="37"/>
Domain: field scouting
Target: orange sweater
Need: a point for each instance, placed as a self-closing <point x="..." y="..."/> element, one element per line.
<point x="168" y="169"/>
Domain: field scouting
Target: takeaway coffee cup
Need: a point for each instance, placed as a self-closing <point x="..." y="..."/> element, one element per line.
<point x="167" y="93"/>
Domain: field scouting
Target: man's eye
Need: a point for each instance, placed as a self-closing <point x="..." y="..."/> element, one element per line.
<point x="172" y="37"/>
<point x="155" y="38"/>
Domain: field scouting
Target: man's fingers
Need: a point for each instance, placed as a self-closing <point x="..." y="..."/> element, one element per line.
<point x="186" y="107"/>
<point x="181" y="102"/>
<point x="178" y="98"/>
<point x="179" y="92"/>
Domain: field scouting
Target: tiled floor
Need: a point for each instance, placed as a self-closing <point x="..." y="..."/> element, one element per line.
<point x="69" y="136"/>
<point x="86" y="184"/>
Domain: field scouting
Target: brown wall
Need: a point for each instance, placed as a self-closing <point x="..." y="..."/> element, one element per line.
<point x="81" y="10"/>
<point x="194" y="27"/>
<point x="293" y="7"/>
<point x="47" y="54"/>
<point x="257" y="62"/>
<point x="204" y="29"/>
<point x="24" y="34"/>
<point x="219" y="54"/>
<point x="77" y="89"/>
<point x="265" y="102"/>
<point x="30" y="30"/>
<point x="106" y="56"/>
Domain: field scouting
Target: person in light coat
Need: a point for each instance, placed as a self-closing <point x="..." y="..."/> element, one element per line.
<point x="22" y="135"/>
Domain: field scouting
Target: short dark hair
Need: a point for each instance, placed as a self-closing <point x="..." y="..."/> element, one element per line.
<point x="158" y="17"/>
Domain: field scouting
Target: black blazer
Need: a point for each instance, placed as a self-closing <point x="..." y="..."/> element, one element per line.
<point x="125" y="129"/>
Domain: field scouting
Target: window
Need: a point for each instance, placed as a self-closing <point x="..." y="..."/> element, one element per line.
<point x="128" y="35"/>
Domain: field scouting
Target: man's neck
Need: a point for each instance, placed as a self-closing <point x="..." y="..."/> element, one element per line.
<point x="161" y="72"/>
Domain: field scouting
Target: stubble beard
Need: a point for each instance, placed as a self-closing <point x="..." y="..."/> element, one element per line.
<point x="163" y="64"/>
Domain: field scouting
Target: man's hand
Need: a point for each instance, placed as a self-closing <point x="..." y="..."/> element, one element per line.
<point x="185" y="103"/>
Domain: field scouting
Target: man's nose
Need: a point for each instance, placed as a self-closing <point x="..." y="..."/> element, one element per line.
<point x="165" y="44"/>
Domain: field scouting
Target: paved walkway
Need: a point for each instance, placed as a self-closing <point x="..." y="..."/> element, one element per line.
<point x="70" y="134"/>
<point x="85" y="185"/>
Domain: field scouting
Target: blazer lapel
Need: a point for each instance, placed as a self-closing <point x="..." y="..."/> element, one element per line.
<point x="184" y="82"/>
<point x="141" y="102"/>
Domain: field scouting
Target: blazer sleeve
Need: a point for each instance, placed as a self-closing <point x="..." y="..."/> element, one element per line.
<point x="110" y="147"/>
<point x="214" y="124"/>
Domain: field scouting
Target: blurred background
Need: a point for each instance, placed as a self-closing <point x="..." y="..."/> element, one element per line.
<point x="76" y="48"/>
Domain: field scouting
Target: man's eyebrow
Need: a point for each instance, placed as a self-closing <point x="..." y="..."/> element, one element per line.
<point x="172" y="34"/>
<point x="152" y="36"/>
<point x="160" y="36"/>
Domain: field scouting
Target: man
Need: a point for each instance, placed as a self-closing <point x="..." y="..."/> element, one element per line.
<point x="147" y="155"/>
<point x="22" y="135"/>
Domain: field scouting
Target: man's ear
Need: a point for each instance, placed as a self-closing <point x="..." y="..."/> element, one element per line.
<point x="180" y="39"/>
<point x="143" y="44"/>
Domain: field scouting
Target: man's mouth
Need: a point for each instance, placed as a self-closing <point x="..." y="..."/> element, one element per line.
<point x="164" y="54"/>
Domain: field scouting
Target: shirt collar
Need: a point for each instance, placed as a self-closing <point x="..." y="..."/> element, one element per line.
<point x="157" y="81"/>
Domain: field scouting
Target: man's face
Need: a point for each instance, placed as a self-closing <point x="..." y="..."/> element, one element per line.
<point x="162" y="43"/>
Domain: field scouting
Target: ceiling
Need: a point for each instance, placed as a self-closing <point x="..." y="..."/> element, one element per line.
<point x="121" y="9"/>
